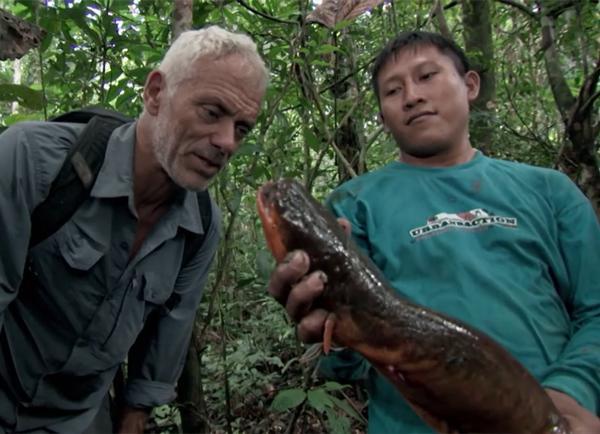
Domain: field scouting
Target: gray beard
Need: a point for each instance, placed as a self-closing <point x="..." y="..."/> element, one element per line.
<point x="162" y="143"/>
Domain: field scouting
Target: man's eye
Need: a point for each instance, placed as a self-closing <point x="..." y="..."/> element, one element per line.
<point x="393" y="90"/>
<point x="210" y="112"/>
<point x="242" y="130"/>
<point x="428" y="75"/>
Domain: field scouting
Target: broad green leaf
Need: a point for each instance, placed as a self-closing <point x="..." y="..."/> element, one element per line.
<point x="78" y="16"/>
<point x="332" y="385"/>
<point x="326" y="49"/>
<point x="287" y="399"/>
<point x="24" y="95"/>
<point x="337" y="424"/>
<point x="20" y="117"/>
<point x="319" y="399"/>
<point x="347" y="408"/>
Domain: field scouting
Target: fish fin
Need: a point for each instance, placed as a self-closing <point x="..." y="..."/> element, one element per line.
<point x="328" y="332"/>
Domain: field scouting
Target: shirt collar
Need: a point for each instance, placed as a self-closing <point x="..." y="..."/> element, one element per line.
<point x="115" y="179"/>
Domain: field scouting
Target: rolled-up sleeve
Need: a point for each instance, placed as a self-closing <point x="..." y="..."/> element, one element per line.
<point x="157" y="358"/>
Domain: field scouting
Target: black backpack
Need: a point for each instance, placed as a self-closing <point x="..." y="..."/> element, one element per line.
<point x="78" y="173"/>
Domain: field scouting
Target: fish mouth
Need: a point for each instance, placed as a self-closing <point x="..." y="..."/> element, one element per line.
<point x="265" y="194"/>
<point x="271" y="221"/>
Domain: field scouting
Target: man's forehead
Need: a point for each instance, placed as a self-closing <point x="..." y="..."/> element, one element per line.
<point x="235" y="64"/>
<point x="417" y="53"/>
<point x="411" y="57"/>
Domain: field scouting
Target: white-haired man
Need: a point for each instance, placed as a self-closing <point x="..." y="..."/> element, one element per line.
<point x="119" y="259"/>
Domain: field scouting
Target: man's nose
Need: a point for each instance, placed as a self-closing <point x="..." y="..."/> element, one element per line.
<point x="224" y="137"/>
<point x="412" y="96"/>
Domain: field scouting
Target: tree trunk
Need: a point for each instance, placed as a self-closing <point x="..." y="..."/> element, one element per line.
<point x="345" y="92"/>
<point x="480" y="51"/>
<point x="182" y="17"/>
<point x="578" y="156"/>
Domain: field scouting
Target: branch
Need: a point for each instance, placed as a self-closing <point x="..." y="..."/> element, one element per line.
<point x="586" y="98"/>
<point x="519" y="6"/>
<point x="262" y="14"/>
<point x="587" y="94"/>
<point x="532" y="134"/>
<point x="438" y="13"/>
<point x="559" y="7"/>
<point x="589" y="102"/>
<point x="560" y="89"/>
<point x="347" y="76"/>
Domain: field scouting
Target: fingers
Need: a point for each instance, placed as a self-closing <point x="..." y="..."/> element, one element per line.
<point x="291" y="286"/>
<point x="310" y="328"/>
<point x="580" y="419"/>
<point x="286" y="274"/>
<point x="345" y="224"/>
<point x="301" y="296"/>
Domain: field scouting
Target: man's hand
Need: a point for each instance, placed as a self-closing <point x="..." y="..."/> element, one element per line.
<point x="581" y="421"/>
<point x="133" y="421"/>
<point x="296" y="290"/>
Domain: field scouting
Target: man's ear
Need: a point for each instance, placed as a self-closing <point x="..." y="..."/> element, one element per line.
<point x="154" y="88"/>
<point x="473" y="82"/>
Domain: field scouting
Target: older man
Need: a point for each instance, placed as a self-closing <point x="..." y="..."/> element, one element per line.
<point x="107" y="274"/>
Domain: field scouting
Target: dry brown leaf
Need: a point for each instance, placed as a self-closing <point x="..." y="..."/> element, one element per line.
<point x="17" y="36"/>
<point x="331" y="12"/>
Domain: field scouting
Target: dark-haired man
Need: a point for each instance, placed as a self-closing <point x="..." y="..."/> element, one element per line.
<point x="508" y="248"/>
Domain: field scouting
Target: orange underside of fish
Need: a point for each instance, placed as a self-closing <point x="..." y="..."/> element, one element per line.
<point x="271" y="223"/>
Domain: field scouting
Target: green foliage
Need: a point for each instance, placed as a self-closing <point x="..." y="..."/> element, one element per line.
<point x="24" y="95"/>
<point x="291" y="398"/>
<point x="100" y="51"/>
<point x="338" y="413"/>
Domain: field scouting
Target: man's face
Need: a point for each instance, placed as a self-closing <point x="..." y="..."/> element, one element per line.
<point x="425" y="101"/>
<point x="202" y="122"/>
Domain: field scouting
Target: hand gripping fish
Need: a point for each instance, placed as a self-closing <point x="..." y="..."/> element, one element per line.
<point x="445" y="369"/>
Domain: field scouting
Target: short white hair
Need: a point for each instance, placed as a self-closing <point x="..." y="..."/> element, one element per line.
<point x="214" y="42"/>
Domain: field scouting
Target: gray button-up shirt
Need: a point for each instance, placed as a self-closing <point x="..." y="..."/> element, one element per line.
<point x="65" y="332"/>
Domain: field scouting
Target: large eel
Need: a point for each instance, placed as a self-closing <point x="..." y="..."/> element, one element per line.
<point x="455" y="377"/>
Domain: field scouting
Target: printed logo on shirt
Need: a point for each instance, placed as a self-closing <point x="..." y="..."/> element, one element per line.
<point x="469" y="220"/>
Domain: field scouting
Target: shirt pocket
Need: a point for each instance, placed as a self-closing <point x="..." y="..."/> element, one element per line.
<point x="158" y="288"/>
<point x="145" y="293"/>
<point x="78" y="249"/>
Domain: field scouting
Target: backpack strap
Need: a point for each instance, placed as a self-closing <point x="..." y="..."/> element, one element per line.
<point x="193" y="242"/>
<point x="78" y="173"/>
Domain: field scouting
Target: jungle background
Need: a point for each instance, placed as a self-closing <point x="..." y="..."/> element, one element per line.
<point x="540" y="65"/>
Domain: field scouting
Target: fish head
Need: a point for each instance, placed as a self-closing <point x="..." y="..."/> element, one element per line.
<point x="292" y="219"/>
<point x="267" y="201"/>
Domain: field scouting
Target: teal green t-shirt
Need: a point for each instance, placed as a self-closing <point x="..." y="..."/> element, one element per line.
<point x="511" y="249"/>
